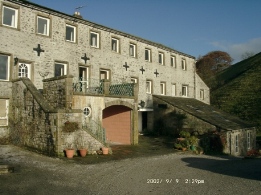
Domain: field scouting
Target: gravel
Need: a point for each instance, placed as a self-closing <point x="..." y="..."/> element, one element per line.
<point x="176" y="173"/>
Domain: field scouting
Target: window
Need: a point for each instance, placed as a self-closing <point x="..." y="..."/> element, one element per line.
<point x="201" y="94"/>
<point x="24" y="70"/>
<point x="9" y="17"/>
<point x="87" y="111"/>
<point x="60" y="69"/>
<point x="184" y="90"/>
<point x="149" y="86"/>
<point x="83" y="77"/>
<point x="43" y="25"/>
<point x="70" y="33"/>
<point x="163" y="88"/>
<point x="4" y="67"/>
<point x="236" y="143"/>
<point x="173" y="90"/>
<point x="115" y="45"/>
<point x="248" y="140"/>
<point x="161" y="58"/>
<point x="132" y="50"/>
<point x="183" y="64"/>
<point x="148" y="55"/>
<point x="4" y="112"/>
<point x="95" y="40"/>
<point x="104" y="74"/>
<point x="134" y="80"/>
<point x="173" y="61"/>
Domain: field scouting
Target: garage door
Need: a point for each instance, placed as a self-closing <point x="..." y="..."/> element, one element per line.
<point x="117" y="123"/>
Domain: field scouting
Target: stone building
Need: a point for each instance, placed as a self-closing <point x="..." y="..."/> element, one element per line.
<point x="58" y="68"/>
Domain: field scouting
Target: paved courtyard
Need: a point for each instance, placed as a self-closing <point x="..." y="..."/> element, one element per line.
<point x="169" y="173"/>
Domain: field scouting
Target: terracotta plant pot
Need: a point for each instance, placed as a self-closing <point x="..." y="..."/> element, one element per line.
<point x="69" y="153"/>
<point x="83" y="152"/>
<point x="105" y="150"/>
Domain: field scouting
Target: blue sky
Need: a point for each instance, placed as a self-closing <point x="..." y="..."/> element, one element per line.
<point x="195" y="27"/>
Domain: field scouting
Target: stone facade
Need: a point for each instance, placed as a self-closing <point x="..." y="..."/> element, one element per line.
<point x="88" y="53"/>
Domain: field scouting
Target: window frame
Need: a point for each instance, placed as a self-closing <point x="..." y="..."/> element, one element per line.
<point x="248" y="140"/>
<point x="161" y="58"/>
<point x="173" y="61"/>
<point x="183" y="64"/>
<point x="186" y="91"/>
<point x="201" y="94"/>
<point x="6" y="112"/>
<point x="162" y="88"/>
<point x="85" y="111"/>
<point x="149" y="55"/>
<point x="97" y="39"/>
<point x="64" y="71"/>
<point x="29" y="73"/>
<point x="108" y="73"/>
<point x="236" y="144"/>
<point x="16" y="11"/>
<point x="134" y="80"/>
<point x="74" y="33"/>
<point x="175" y="90"/>
<point x="134" y="52"/>
<point x="47" y="28"/>
<point x="117" y="49"/>
<point x="150" y="87"/>
<point x="7" y="68"/>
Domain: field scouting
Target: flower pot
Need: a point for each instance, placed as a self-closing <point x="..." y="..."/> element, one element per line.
<point x="193" y="148"/>
<point x="69" y="153"/>
<point x="184" y="149"/>
<point x="83" y="152"/>
<point x="105" y="150"/>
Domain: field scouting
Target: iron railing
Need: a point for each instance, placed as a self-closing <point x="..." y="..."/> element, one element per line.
<point x="102" y="87"/>
<point x="95" y="130"/>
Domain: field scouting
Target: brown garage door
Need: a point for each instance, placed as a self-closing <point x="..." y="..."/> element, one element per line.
<point x="117" y="123"/>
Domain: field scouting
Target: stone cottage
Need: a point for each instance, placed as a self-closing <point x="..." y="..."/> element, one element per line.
<point x="57" y="69"/>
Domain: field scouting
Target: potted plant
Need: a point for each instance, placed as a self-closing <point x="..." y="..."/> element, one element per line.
<point x="184" y="134"/>
<point x="184" y="144"/>
<point x="82" y="146"/>
<point x="193" y="141"/>
<point x="69" y="150"/>
<point x="105" y="150"/>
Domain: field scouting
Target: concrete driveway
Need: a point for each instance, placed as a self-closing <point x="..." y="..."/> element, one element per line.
<point x="173" y="173"/>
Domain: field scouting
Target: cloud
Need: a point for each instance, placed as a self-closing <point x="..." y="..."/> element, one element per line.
<point x="236" y="50"/>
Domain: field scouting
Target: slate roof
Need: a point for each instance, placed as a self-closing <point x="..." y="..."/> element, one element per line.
<point x="206" y="113"/>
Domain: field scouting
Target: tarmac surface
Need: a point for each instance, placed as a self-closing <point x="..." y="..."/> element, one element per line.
<point x="147" y="169"/>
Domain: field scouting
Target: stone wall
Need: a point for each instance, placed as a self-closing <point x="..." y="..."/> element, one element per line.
<point x="58" y="91"/>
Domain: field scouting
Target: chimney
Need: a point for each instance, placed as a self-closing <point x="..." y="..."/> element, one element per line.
<point x="77" y="15"/>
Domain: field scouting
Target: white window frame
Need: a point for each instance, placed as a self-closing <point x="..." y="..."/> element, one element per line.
<point x="173" y="89"/>
<point x="149" y="86"/>
<point x="161" y="58"/>
<point x="24" y="70"/>
<point x="183" y="64"/>
<point x="96" y="42"/>
<point x="149" y="55"/>
<point x="87" y="111"/>
<point x="115" y="47"/>
<point x="248" y="140"/>
<point x="162" y="88"/>
<point x="14" y="22"/>
<point x="62" y="71"/>
<point x="134" y="80"/>
<point x="7" y="67"/>
<point x="201" y="94"/>
<point x="173" y="61"/>
<point x="236" y="143"/>
<point x="132" y="50"/>
<point x="72" y="35"/>
<point x="6" y="113"/>
<point x="184" y="91"/>
<point x="46" y="28"/>
<point x="106" y="72"/>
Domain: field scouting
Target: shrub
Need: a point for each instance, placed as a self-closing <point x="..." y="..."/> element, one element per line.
<point x="70" y="127"/>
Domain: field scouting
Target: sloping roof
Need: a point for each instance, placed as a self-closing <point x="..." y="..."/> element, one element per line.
<point x="95" y="25"/>
<point x="206" y="113"/>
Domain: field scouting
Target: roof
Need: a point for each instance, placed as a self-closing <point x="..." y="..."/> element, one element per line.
<point x="95" y="25"/>
<point x="206" y="113"/>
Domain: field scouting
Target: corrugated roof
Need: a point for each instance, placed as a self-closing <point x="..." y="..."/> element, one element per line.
<point x="206" y="113"/>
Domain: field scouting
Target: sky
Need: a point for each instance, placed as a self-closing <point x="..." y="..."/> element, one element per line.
<point x="194" y="27"/>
